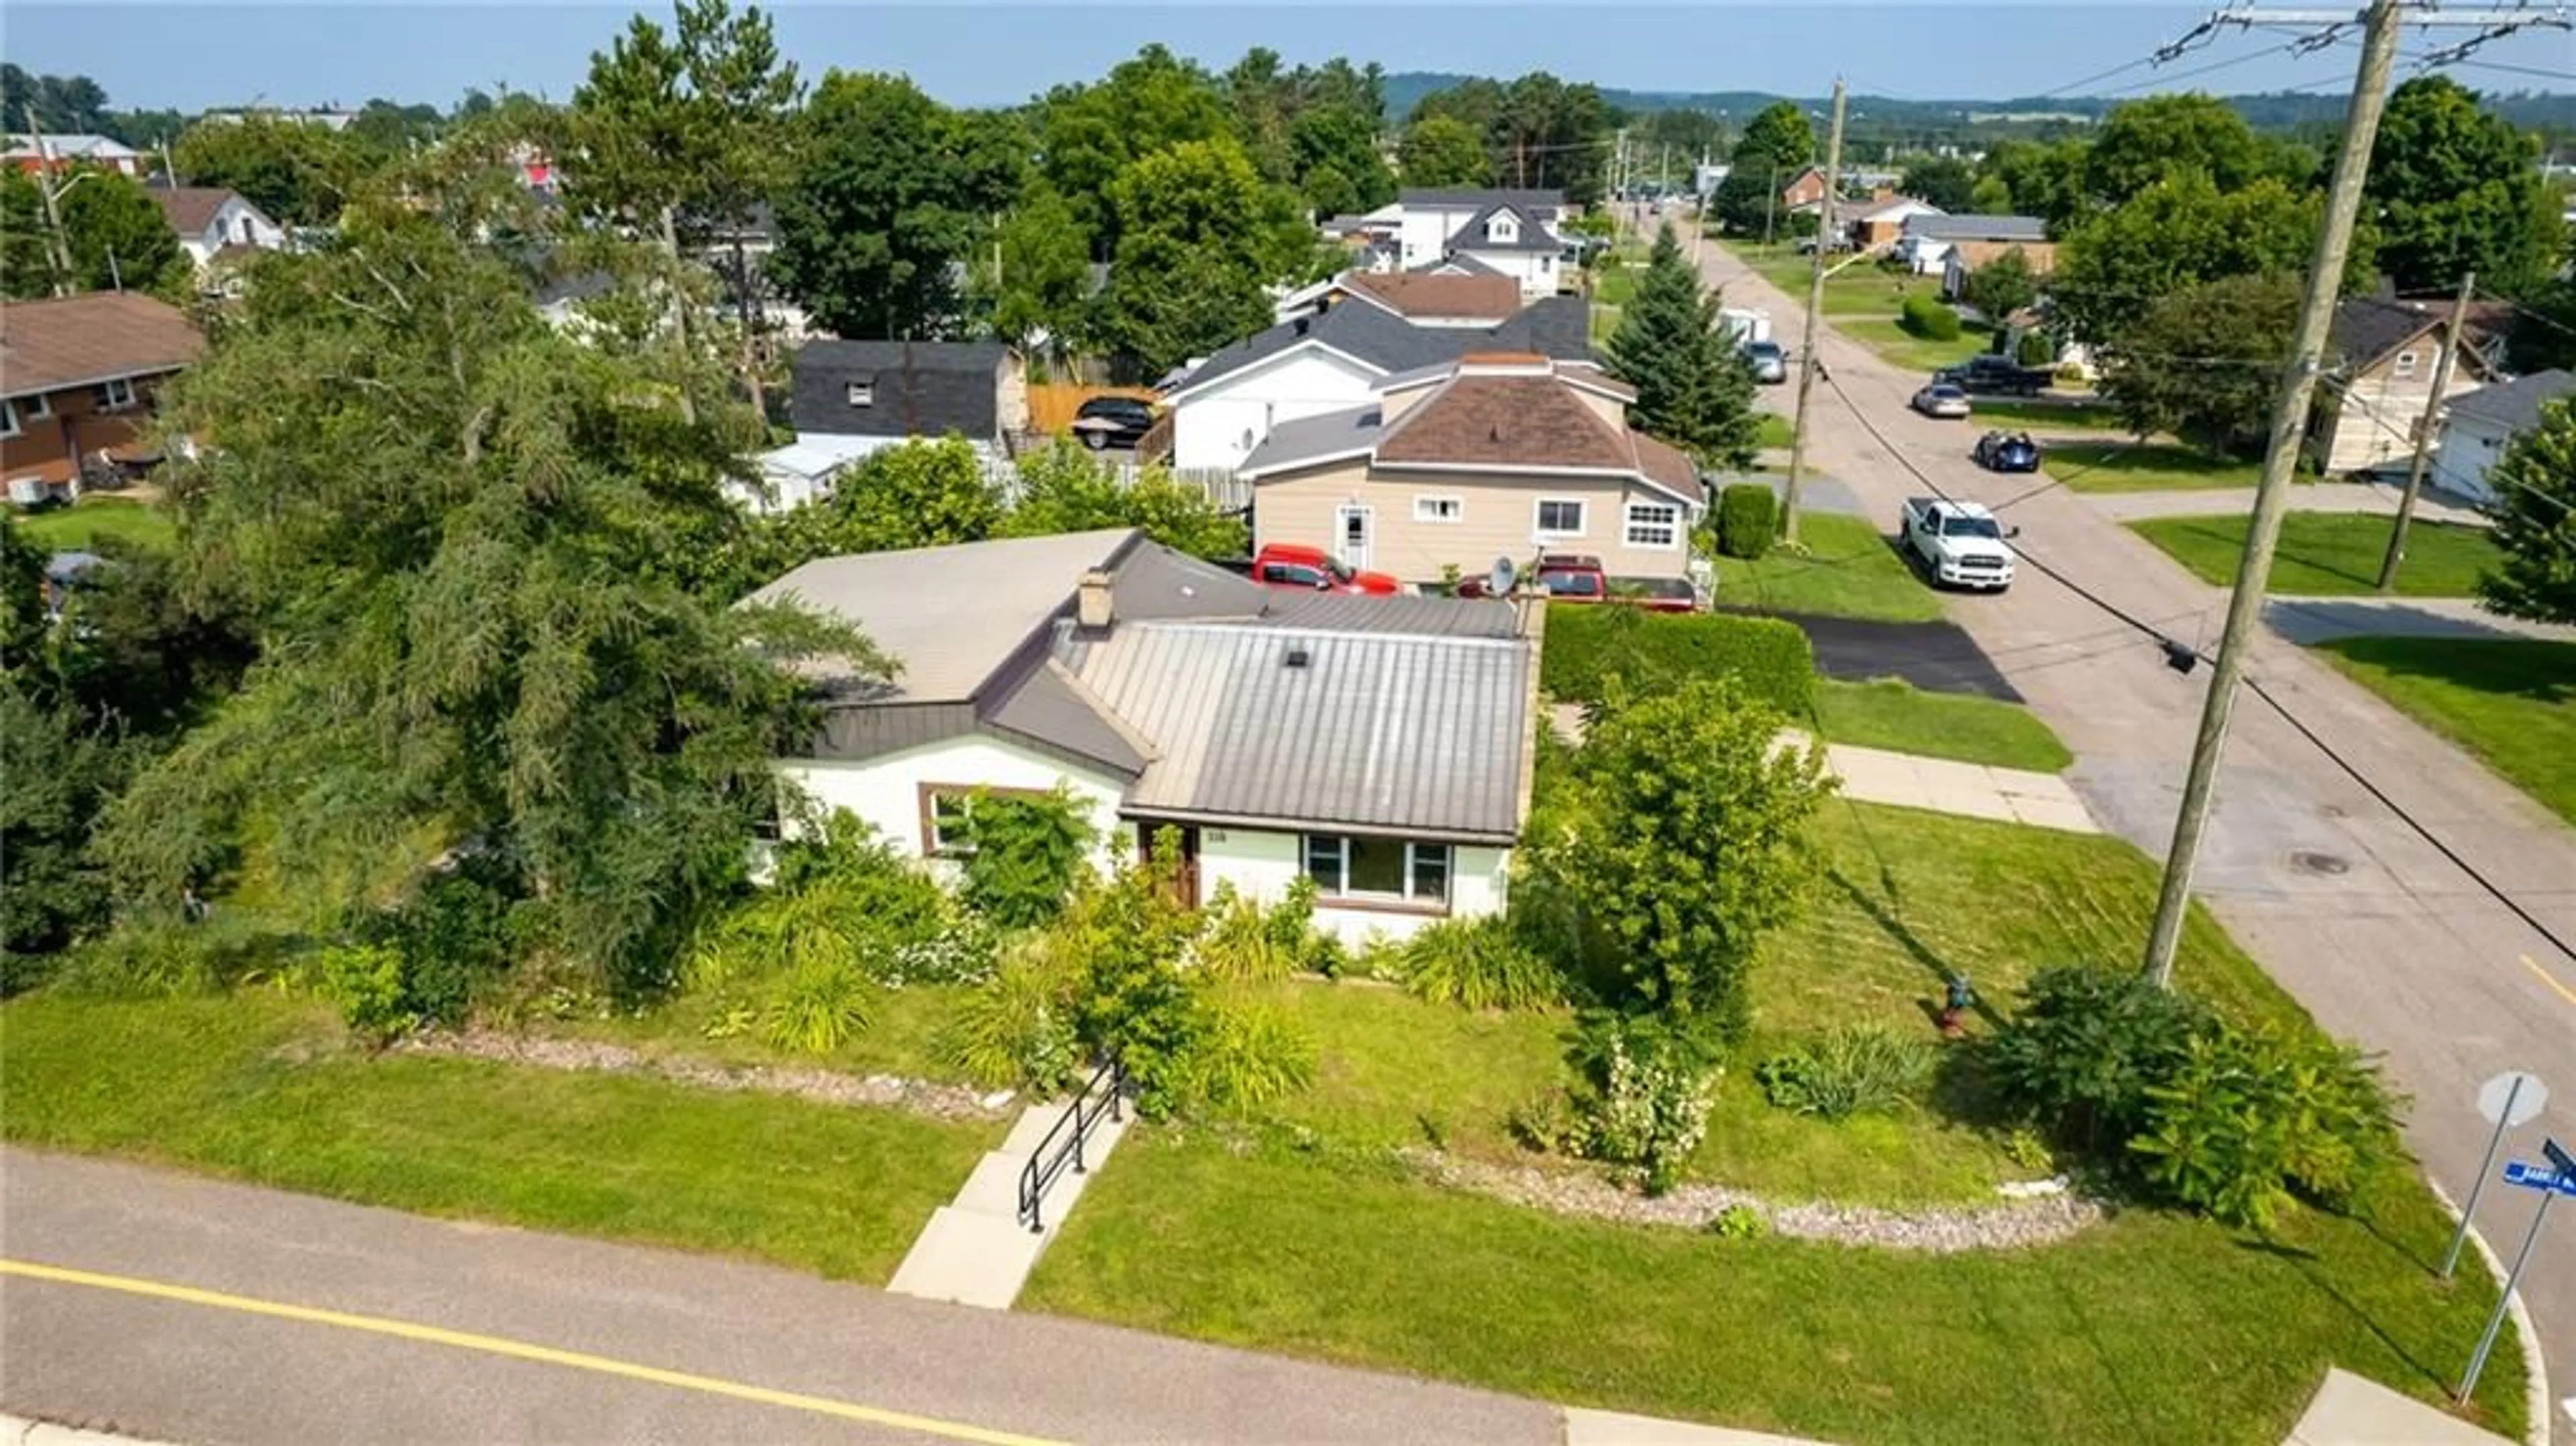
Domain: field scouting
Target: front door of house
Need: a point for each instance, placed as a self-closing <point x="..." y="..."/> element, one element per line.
<point x="1185" y="869"/>
<point x="1352" y="525"/>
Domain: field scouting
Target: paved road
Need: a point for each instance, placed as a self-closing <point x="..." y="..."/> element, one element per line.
<point x="410" y="1330"/>
<point x="2381" y="937"/>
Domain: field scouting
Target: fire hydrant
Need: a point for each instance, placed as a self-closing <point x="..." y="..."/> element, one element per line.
<point x="1957" y="999"/>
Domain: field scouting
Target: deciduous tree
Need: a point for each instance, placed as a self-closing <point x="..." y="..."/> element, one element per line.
<point x="301" y="175"/>
<point x="1777" y="144"/>
<point x="1339" y="143"/>
<point x="2535" y="521"/>
<point x="2115" y="265"/>
<point x="1090" y="134"/>
<point x="1200" y="235"/>
<point x="889" y="199"/>
<point x="1677" y="839"/>
<point x="1440" y="150"/>
<point x="2455" y="192"/>
<point x="2205" y="362"/>
<point x="1694" y="389"/>
<point x="1943" y="181"/>
<point x="2161" y="137"/>
<point x="120" y="238"/>
<point x="2002" y="286"/>
<point x="441" y="514"/>
<point x="1064" y="488"/>
<point x="1036" y="276"/>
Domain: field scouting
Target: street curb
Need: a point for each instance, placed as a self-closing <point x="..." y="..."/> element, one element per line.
<point x="21" y="1431"/>
<point x="2536" y="1405"/>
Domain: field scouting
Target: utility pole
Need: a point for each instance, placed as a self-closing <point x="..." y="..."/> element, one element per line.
<point x="1815" y="309"/>
<point x="2289" y="424"/>
<point x="62" y="241"/>
<point x="2424" y="434"/>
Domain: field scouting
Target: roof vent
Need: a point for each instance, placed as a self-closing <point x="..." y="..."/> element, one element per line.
<point x="1301" y="325"/>
<point x="1299" y="657"/>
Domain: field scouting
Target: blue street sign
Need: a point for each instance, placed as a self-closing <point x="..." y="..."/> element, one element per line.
<point x="2539" y="1177"/>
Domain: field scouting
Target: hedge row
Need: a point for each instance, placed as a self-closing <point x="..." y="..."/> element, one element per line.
<point x="1656" y="652"/>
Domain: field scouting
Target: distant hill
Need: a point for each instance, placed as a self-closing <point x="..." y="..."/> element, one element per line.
<point x="2279" y="110"/>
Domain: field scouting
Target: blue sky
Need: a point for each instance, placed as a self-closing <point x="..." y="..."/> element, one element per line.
<point x="196" y="55"/>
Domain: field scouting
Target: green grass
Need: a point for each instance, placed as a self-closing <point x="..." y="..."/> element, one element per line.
<point x="2331" y="554"/>
<point x="2151" y="467"/>
<point x="2048" y="418"/>
<point x="902" y="1037"/>
<point x="2149" y="1328"/>
<point x="2510" y="702"/>
<point x="1847" y="570"/>
<point x="72" y="528"/>
<point x="1891" y="713"/>
<point x="264" y="1089"/>
<point x="1778" y="433"/>
<point x="1904" y="349"/>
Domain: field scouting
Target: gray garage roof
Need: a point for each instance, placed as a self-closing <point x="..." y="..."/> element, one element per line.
<point x="1553" y="326"/>
<point x="1393" y="733"/>
<point x="1977" y="228"/>
<point x="2514" y="406"/>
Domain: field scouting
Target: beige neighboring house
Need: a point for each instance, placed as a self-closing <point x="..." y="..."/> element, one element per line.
<point x="2385" y="351"/>
<point x="1492" y="455"/>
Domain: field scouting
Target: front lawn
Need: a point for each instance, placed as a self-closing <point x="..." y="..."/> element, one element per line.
<point x="2330" y="554"/>
<point x="1778" y="433"/>
<point x="264" y="1089"/>
<point x="2045" y="418"/>
<point x="2144" y="467"/>
<point x="2146" y="1330"/>
<point x="1903" y="349"/>
<point x="2151" y="1327"/>
<point x="2511" y="702"/>
<point x="1892" y="713"/>
<point x="1845" y="569"/>
<point x="79" y="526"/>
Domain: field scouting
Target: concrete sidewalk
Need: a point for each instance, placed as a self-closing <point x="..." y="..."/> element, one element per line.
<point x="1971" y="790"/>
<point x="975" y="1251"/>
<point x="2360" y="497"/>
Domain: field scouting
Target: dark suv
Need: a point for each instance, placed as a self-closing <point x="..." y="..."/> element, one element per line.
<point x="1104" y="422"/>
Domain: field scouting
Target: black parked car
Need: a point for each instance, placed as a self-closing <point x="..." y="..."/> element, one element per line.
<point x="1105" y="422"/>
<point x="2007" y="452"/>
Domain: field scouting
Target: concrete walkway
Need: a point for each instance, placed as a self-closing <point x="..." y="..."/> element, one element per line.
<point x="2350" y="1411"/>
<point x="975" y="1251"/>
<point x="2362" y="497"/>
<point x="2311" y="620"/>
<point x="1972" y="790"/>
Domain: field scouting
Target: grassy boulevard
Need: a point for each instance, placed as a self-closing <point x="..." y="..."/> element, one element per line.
<point x="1301" y="1232"/>
<point x="2511" y="702"/>
<point x="2330" y="554"/>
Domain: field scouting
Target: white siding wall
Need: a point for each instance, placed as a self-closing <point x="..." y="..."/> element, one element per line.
<point x="1497" y="517"/>
<point x="1425" y="233"/>
<point x="885" y="792"/>
<point x="2469" y="447"/>
<point x="1210" y="430"/>
<point x="1262" y="865"/>
<point x="1534" y="270"/>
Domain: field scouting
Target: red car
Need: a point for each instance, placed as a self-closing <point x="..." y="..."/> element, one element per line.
<point x="1287" y="564"/>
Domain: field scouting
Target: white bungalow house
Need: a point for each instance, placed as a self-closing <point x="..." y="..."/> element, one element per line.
<point x="1380" y="747"/>
<point x="1427" y="222"/>
<point x="212" y="220"/>
<point x="2478" y="427"/>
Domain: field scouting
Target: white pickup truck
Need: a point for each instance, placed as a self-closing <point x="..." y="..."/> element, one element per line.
<point x="1960" y="542"/>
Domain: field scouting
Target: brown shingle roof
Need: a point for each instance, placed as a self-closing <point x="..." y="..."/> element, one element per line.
<point x="191" y="209"/>
<point x="1417" y="294"/>
<point x="1520" y="420"/>
<point x="81" y="340"/>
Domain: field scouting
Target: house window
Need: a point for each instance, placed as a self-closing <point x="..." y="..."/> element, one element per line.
<point x="115" y="394"/>
<point x="1560" y="517"/>
<point x="947" y="822"/>
<point x="1378" y="870"/>
<point x="8" y="419"/>
<point x="247" y="237"/>
<point x="1439" y="509"/>
<point x="863" y="392"/>
<point x="36" y="408"/>
<point x="1654" y="524"/>
<point x="2405" y="365"/>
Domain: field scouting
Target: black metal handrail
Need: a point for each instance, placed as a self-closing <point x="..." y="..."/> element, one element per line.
<point x="1048" y="1160"/>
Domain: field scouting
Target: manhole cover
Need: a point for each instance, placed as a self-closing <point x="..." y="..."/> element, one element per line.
<point x="2315" y="863"/>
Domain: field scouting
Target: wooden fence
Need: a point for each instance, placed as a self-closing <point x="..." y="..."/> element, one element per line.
<point x="1052" y="404"/>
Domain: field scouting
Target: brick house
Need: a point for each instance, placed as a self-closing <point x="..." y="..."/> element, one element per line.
<point x="78" y="373"/>
<point x="1804" y="192"/>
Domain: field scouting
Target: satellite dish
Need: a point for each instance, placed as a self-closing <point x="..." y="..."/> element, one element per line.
<point x="1498" y="582"/>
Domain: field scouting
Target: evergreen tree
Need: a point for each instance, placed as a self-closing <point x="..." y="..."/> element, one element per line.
<point x="2535" y="521"/>
<point x="1694" y="388"/>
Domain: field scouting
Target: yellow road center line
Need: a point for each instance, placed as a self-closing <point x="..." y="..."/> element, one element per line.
<point x="521" y="1350"/>
<point x="2549" y="979"/>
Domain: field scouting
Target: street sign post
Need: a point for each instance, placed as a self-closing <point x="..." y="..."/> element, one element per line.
<point x="2510" y="1098"/>
<point x="2562" y="1181"/>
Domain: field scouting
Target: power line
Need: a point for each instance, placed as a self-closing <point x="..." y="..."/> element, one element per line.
<point x="2170" y="644"/>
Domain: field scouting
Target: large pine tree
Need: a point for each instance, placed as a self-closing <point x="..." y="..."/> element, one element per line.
<point x="1694" y="388"/>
